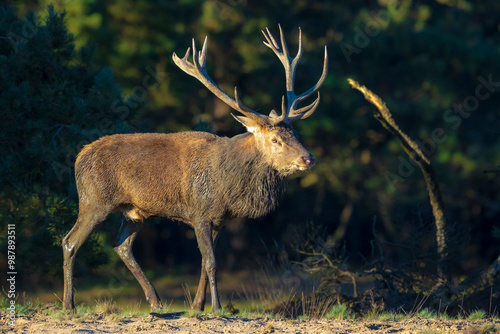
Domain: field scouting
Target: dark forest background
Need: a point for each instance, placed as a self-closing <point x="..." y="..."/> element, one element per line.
<point x="105" y="67"/>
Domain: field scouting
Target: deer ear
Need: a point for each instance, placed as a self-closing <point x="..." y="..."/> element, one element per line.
<point x="273" y="113"/>
<point x="249" y="123"/>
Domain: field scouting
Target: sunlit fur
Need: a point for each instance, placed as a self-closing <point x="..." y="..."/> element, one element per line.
<point x="189" y="176"/>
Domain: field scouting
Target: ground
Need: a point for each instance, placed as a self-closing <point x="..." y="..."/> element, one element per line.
<point x="43" y="323"/>
<point x="126" y="311"/>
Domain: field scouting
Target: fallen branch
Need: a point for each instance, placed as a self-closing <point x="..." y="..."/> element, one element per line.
<point x="384" y="116"/>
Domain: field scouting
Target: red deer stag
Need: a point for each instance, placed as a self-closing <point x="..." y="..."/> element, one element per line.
<point x="193" y="177"/>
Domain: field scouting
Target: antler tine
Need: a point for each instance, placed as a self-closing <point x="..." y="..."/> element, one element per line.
<point x="198" y="70"/>
<point x="299" y="51"/>
<point x="284" y="47"/>
<point x="240" y="105"/>
<point x="304" y="112"/>
<point x="311" y="91"/>
<point x="271" y="42"/>
<point x="203" y="53"/>
<point x="196" y="59"/>
<point x="186" y="56"/>
<point x="245" y="110"/>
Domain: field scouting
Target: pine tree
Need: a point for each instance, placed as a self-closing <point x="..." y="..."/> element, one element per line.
<point x="53" y="101"/>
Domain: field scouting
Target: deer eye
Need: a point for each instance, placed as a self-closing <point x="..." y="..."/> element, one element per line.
<point x="274" y="140"/>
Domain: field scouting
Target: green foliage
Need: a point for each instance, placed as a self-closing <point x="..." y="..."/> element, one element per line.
<point x="339" y="312"/>
<point x="54" y="100"/>
<point x="427" y="314"/>
<point x="191" y="314"/>
<point x="422" y="58"/>
<point x="489" y="328"/>
<point x="4" y="302"/>
<point x="476" y="315"/>
<point x="374" y="314"/>
<point x="223" y="313"/>
<point x="27" y="308"/>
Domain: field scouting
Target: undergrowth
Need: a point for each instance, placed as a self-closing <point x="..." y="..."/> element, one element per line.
<point x="339" y="312"/>
<point x="312" y="308"/>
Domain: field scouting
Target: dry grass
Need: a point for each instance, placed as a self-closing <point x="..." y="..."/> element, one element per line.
<point x="106" y="307"/>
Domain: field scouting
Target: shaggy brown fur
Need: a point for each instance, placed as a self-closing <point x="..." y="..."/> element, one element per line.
<point x="194" y="177"/>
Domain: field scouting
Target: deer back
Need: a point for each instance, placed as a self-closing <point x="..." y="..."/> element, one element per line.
<point x="188" y="176"/>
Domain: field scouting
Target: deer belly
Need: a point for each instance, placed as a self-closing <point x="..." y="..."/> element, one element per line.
<point x="136" y="214"/>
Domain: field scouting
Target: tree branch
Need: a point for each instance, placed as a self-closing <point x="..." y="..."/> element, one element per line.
<point x="384" y="116"/>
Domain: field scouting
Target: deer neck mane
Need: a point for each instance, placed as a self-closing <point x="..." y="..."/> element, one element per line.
<point x="253" y="185"/>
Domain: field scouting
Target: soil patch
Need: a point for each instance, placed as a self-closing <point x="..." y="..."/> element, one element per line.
<point x="43" y="323"/>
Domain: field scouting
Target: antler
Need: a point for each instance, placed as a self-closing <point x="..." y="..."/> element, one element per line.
<point x="198" y="70"/>
<point x="290" y="112"/>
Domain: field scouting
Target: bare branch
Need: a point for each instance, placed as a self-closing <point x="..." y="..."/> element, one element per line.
<point x="384" y="116"/>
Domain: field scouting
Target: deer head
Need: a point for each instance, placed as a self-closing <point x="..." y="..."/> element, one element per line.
<point x="274" y="136"/>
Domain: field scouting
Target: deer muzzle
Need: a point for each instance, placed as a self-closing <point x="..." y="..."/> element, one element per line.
<point x="307" y="162"/>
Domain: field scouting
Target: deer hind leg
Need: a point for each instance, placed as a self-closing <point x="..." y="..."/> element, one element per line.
<point x="201" y="292"/>
<point x="206" y="245"/>
<point x="85" y="224"/>
<point x="123" y="247"/>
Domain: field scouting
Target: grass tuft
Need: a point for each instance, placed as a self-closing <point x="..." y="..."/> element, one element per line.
<point x="377" y="315"/>
<point x="445" y="316"/>
<point x="248" y="314"/>
<point x="106" y="307"/>
<point x="83" y="311"/>
<point x="476" y="315"/>
<point x="400" y="317"/>
<point x="28" y="308"/>
<point x="489" y="328"/>
<point x="426" y="314"/>
<point x="339" y="312"/>
<point x="223" y="313"/>
<point x="192" y="314"/>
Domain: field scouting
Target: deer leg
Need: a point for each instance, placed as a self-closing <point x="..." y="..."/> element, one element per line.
<point x="85" y="224"/>
<point x="123" y="247"/>
<point x="201" y="292"/>
<point x="206" y="245"/>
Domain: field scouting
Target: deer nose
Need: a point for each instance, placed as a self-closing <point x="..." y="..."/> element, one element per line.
<point x="309" y="161"/>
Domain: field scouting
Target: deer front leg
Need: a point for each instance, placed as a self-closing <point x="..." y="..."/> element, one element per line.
<point x="206" y="244"/>
<point x="201" y="292"/>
